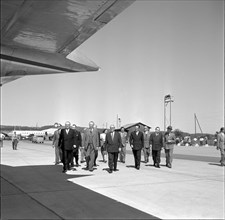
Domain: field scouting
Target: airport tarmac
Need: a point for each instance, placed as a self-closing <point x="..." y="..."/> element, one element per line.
<point x="32" y="187"/>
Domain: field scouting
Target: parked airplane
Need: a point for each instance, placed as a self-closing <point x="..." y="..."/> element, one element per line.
<point x="26" y="133"/>
<point x="38" y="37"/>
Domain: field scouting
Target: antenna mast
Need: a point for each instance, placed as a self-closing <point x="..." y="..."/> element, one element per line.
<point x="196" y="120"/>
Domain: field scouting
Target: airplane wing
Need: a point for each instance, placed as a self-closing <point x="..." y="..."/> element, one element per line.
<point x="38" y="35"/>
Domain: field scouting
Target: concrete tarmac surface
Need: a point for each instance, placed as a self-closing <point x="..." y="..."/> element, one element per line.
<point x="32" y="187"/>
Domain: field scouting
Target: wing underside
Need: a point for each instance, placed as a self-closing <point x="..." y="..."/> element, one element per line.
<point x="38" y="35"/>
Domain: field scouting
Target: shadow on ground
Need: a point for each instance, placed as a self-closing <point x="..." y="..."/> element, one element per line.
<point x="44" y="192"/>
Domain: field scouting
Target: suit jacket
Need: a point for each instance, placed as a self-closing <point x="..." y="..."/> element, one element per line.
<point x="146" y="139"/>
<point x="67" y="140"/>
<point x="78" y="140"/>
<point x="123" y="138"/>
<point x="91" y="138"/>
<point x="113" y="144"/>
<point x="137" y="140"/>
<point x="156" y="141"/>
<point x="55" y="140"/>
<point x="170" y="140"/>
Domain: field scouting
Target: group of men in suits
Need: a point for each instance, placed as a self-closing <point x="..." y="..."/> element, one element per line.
<point x="67" y="142"/>
<point x="156" y="141"/>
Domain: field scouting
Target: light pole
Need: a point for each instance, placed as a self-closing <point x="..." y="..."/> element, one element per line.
<point x="167" y="99"/>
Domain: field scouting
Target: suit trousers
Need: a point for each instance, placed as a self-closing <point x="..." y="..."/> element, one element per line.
<point x="146" y="152"/>
<point x="222" y="160"/>
<point x="169" y="156"/>
<point x="90" y="157"/>
<point x="14" y="144"/>
<point x="57" y="154"/>
<point x="76" y="156"/>
<point x="137" y="157"/>
<point x="112" y="157"/>
<point x="156" y="156"/>
<point x="96" y="156"/>
<point x="67" y="157"/>
<point x="82" y="156"/>
<point x="123" y="153"/>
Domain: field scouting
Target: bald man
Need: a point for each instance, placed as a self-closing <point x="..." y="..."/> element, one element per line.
<point x="67" y="141"/>
<point x="113" y="142"/>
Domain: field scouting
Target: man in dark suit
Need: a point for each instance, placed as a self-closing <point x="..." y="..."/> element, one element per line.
<point x="113" y="142"/>
<point x="156" y="140"/>
<point x="78" y="142"/>
<point x="137" y="143"/>
<point x="67" y="143"/>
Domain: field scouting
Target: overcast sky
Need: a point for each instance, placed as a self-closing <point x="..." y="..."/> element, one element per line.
<point x="152" y="49"/>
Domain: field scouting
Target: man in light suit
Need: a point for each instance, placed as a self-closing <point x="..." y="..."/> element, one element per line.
<point x="67" y="143"/>
<point x="55" y="144"/>
<point x="169" y="140"/>
<point x="137" y="143"/>
<point x="91" y="144"/>
<point x="113" y="142"/>
<point x="146" y="149"/>
<point x="220" y="145"/>
<point x="122" y="152"/>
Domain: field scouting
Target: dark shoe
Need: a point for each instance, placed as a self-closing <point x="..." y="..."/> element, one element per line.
<point x="138" y="167"/>
<point x="110" y="171"/>
<point x="64" y="171"/>
<point x="91" y="170"/>
<point x="169" y="166"/>
<point x="157" y="166"/>
<point x="115" y="170"/>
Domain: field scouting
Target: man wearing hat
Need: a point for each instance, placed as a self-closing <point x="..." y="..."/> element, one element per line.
<point x="170" y="141"/>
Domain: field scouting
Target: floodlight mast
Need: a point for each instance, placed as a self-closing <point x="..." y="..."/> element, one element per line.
<point x="167" y="99"/>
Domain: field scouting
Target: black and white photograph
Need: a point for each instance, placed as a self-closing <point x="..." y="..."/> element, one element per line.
<point x="112" y="109"/>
